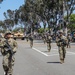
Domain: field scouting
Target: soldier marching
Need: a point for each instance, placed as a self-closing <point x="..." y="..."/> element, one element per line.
<point x="48" y="40"/>
<point x="69" y="40"/>
<point x="8" y="49"/>
<point x="31" y="40"/>
<point x="61" y="41"/>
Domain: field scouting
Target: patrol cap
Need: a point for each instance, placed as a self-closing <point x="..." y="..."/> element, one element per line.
<point x="61" y="31"/>
<point x="7" y="32"/>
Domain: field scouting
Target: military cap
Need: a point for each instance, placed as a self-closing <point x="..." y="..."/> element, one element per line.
<point x="8" y="32"/>
<point x="61" y="31"/>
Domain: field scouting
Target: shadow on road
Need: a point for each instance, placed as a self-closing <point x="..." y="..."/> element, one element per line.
<point x="53" y="62"/>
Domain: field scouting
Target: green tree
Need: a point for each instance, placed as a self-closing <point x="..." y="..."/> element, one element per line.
<point x="9" y="19"/>
<point x="41" y="30"/>
<point x="1" y="1"/>
<point x="2" y="26"/>
<point x="50" y="9"/>
<point x="71" y="26"/>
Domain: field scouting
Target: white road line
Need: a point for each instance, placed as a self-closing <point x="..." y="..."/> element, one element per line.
<point x="67" y="52"/>
<point x="53" y="55"/>
<point x="40" y="51"/>
<point x="71" y="53"/>
<point x="58" y="54"/>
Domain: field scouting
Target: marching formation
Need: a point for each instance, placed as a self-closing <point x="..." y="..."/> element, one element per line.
<point x="9" y="46"/>
<point x="61" y="40"/>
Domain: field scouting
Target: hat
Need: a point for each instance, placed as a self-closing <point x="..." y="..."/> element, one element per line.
<point x="7" y="32"/>
<point x="61" y="31"/>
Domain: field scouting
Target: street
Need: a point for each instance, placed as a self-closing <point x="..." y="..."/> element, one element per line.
<point x="38" y="61"/>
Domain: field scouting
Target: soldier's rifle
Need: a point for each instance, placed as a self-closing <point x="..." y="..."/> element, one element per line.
<point x="62" y="41"/>
<point x="9" y="50"/>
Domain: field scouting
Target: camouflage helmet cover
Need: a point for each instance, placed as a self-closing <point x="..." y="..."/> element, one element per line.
<point x="8" y="32"/>
<point x="61" y="31"/>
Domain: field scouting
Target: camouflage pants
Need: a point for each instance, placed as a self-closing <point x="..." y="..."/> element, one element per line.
<point x="62" y="52"/>
<point x="44" y="41"/>
<point x="31" y="44"/>
<point x="48" y="46"/>
<point x="68" y="44"/>
<point x="7" y="66"/>
<point x="27" y="39"/>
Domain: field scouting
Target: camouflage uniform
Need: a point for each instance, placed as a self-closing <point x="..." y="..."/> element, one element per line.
<point x="27" y="38"/>
<point x="48" y="40"/>
<point x="7" y="65"/>
<point x="44" y="38"/>
<point x="61" y="43"/>
<point x="69" y="40"/>
<point x="31" y="40"/>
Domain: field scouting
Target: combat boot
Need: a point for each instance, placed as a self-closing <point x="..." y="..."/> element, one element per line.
<point x="48" y="50"/>
<point x="5" y="73"/>
<point x="9" y="73"/>
<point x="61" y="61"/>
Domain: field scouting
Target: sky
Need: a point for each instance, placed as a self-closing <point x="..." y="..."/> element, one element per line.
<point x="9" y="4"/>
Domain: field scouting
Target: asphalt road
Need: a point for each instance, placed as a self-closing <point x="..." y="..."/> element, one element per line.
<point x="38" y="61"/>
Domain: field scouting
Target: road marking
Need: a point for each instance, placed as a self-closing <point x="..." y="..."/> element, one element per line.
<point x="58" y="54"/>
<point x="53" y="55"/>
<point x="40" y="51"/>
<point x="71" y="52"/>
<point x="68" y="52"/>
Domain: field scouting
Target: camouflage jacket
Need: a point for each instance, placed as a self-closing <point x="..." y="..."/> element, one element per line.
<point x="61" y="41"/>
<point x="48" y="39"/>
<point x="11" y="42"/>
<point x="31" y="38"/>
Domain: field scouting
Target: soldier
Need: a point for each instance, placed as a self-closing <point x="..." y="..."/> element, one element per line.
<point x="69" y="40"/>
<point x="44" y="38"/>
<point x="48" y="40"/>
<point x="61" y="41"/>
<point x="31" y="40"/>
<point x="8" y="51"/>
<point x="27" y="38"/>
